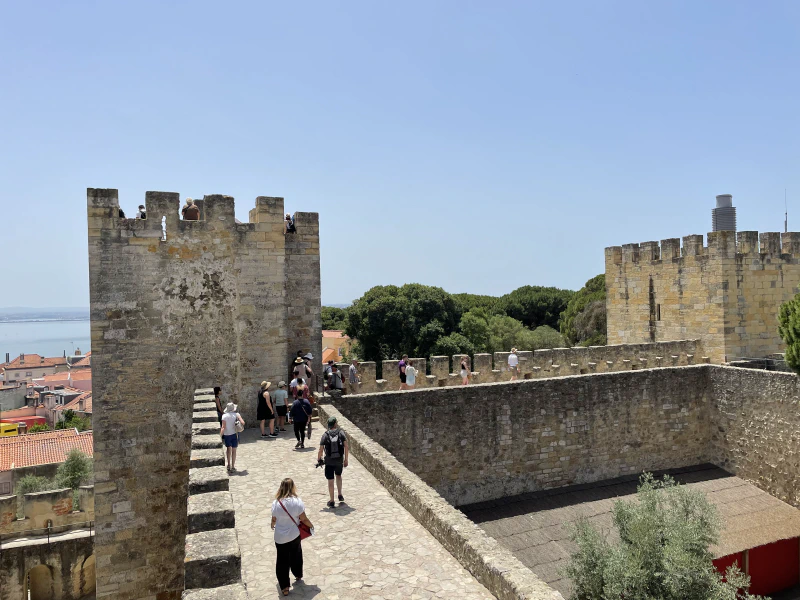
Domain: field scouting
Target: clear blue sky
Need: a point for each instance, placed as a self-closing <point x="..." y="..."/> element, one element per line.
<point x="474" y="146"/>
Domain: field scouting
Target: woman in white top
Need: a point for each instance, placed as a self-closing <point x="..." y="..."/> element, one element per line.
<point x="228" y="432"/>
<point x="465" y="371"/>
<point x="411" y="375"/>
<point x="513" y="364"/>
<point x="287" y="512"/>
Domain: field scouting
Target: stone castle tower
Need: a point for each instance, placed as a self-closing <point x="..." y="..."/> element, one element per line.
<point x="726" y="294"/>
<point x="177" y="305"/>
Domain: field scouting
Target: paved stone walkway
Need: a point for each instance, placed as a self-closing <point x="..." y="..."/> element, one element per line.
<point x="369" y="548"/>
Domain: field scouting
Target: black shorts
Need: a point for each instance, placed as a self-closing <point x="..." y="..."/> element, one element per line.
<point x="281" y="410"/>
<point x="331" y="470"/>
<point x="402" y="377"/>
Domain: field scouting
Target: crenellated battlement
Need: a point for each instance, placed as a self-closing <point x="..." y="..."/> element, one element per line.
<point x="53" y="510"/>
<point x="178" y="305"/>
<point x="720" y="244"/>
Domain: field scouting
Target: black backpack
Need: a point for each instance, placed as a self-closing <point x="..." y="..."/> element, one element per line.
<point x="334" y="444"/>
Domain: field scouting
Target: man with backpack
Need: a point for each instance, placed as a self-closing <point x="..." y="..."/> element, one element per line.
<point x="334" y="443"/>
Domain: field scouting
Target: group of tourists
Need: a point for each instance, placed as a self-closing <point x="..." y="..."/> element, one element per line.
<point x="289" y="520"/>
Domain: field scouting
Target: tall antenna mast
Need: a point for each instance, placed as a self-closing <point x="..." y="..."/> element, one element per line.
<point x="786" y="213"/>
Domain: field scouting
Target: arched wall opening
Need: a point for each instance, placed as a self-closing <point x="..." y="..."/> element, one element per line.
<point x="41" y="585"/>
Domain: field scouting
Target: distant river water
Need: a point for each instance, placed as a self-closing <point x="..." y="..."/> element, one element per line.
<point x="47" y="338"/>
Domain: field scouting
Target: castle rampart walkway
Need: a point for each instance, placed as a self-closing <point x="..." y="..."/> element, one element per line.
<point x="370" y="547"/>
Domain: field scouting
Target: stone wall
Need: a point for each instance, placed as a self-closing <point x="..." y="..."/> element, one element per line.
<point x="727" y="293"/>
<point x="485" y="442"/>
<point x="177" y="305"/>
<point x="54" y="507"/>
<point x="555" y="362"/>
<point x="63" y="568"/>
<point x="756" y="431"/>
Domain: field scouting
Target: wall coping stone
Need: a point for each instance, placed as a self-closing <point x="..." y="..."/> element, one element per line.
<point x="213" y="559"/>
<point x="204" y="442"/>
<point x="209" y="457"/>
<point x="208" y="479"/>
<point x="492" y="565"/>
<point x="204" y="406"/>
<point x="205" y="416"/>
<point x="237" y="591"/>
<point x="210" y="511"/>
<point x="206" y="428"/>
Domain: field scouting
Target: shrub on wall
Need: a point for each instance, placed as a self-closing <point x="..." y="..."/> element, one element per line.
<point x="662" y="552"/>
<point x="789" y="330"/>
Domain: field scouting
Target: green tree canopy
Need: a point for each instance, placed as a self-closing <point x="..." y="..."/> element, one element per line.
<point x="468" y="302"/>
<point x="534" y="305"/>
<point x="498" y="333"/>
<point x="37" y="427"/>
<point x="334" y="318"/>
<point x="30" y="484"/>
<point x="662" y="553"/>
<point x="789" y="330"/>
<point x="455" y="343"/>
<point x="588" y="307"/>
<point x="71" y="420"/>
<point x="75" y="470"/>
<point x="390" y="321"/>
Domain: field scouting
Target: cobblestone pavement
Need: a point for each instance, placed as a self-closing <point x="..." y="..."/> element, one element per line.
<point x="370" y="547"/>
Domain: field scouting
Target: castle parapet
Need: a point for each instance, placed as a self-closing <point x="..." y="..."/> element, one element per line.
<point x="51" y="511"/>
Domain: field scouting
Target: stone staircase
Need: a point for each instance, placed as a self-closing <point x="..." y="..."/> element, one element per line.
<point x="213" y="561"/>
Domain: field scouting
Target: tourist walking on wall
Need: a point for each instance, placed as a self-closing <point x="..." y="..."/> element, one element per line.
<point x="280" y="402"/>
<point x="190" y="212"/>
<point x="301" y="415"/>
<point x="218" y="402"/>
<point x="289" y="225"/>
<point x="334" y="443"/>
<point x="354" y="377"/>
<point x="302" y="370"/>
<point x="411" y="375"/>
<point x="302" y="390"/>
<point x="401" y="366"/>
<point x="264" y="411"/>
<point x="288" y="511"/>
<point x="335" y="382"/>
<point x="513" y="364"/>
<point x="465" y="374"/>
<point x="229" y="433"/>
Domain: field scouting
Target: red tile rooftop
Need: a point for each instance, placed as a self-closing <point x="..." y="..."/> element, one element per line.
<point x="42" y="448"/>
<point x="35" y="360"/>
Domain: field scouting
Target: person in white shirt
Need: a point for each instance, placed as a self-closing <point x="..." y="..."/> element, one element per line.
<point x="287" y="512"/>
<point x="513" y="364"/>
<point x="229" y="435"/>
<point x="411" y="375"/>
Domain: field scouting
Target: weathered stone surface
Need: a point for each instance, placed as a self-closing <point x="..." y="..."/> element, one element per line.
<point x="480" y="442"/>
<point x="210" y="457"/>
<point x="366" y="548"/>
<point x="206" y="428"/>
<point x="237" y="591"/>
<point x="195" y="304"/>
<point x="205" y="416"/>
<point x="213" y="510"/>
<point x="204" y="406"/>
<point x="200" y="442"/>
<point x="727" y="293"/>
<point x="206" y="392"/>
<point x="208" y="479"/>
<point x="212" y="559"/>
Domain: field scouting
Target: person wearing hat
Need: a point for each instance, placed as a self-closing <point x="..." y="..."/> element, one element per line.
<point x="279" y="397"/>
<point x="229" y="435"/>
<point x="265" y="411"/>
<point x="334" y="444"/>
<point x="190" y="212"/>
<point x="302" y="370"/>
<point x="513" y="364"/>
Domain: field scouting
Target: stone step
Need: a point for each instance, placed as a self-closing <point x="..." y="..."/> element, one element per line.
<point x="205" y="442"/>
<point x="204" y="398"/>
<point x="212" y="559"/>
<point x="210" y="457"/>
<point x="204" y="391"/>
<point x="205" y="416"/>
<point x="211" y="511"/>
<point x="208" y="479"/>
<point x="206" y="428"/>
<point x="237" y="591"/>
<point x="204" y="406"/>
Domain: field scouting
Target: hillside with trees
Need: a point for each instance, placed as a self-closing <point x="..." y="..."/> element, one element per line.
<point x="419" y="320"/>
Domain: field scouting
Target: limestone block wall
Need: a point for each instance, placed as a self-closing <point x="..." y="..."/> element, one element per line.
<point x="177" y="305"/>
<point x="54" y="507"/>
<point x="556" y="362"/>
<point x="485" y="442"/>
<point x="63" y="568"/>
<point x="726" y="293"/>
<point x="756" y="432"/>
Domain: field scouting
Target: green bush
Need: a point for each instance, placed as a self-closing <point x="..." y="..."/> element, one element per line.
<point x="789" y="330"/>
<point x="38" y="427"/>
<point x="30" y="484"/>
<point x="662" y="553"/>
<point x="75" y="470"/>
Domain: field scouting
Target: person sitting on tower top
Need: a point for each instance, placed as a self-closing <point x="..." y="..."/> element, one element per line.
<point x="190" y="212"/>
<point x="289" y="225"/>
